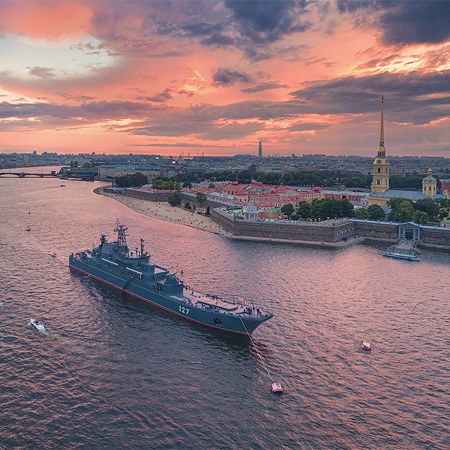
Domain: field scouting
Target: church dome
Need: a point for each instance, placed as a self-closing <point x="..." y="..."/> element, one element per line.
<point x="251" y="208"/>
<point x="429" y="178"/>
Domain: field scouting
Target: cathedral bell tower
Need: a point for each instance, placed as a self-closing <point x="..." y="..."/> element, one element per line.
<point x="380" y="174"/>
<point x="429" y="184"/>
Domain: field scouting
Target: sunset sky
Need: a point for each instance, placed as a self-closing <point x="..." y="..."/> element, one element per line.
<point x="215" y="76"/>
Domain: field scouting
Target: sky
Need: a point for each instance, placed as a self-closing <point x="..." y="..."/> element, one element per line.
<point x="213" y="77"/>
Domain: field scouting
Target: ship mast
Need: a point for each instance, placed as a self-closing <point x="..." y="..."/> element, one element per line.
<point x="121" y="234"/>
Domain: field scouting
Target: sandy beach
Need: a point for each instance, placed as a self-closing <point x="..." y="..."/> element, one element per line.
<point x="163" y="211"/>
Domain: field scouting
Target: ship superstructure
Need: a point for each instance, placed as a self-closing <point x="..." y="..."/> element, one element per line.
<point x="132" y="273"/>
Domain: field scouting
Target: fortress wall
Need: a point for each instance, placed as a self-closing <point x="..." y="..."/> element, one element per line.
<point x="376" y="230"/>
<point x="296" y="231"/>
<point x="389" y="231"/>
<point x="161" y="196"/>
<point x="435" y="236"/>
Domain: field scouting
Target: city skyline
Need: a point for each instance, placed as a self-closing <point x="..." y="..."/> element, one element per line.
<point x="216" y="77"/>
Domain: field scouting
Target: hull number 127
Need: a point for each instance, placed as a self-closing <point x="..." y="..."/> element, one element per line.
<point x="183" y="310"/>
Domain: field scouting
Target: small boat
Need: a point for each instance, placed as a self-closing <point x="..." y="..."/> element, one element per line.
<point x="276" y="388"/>
<point x="53" y="255"/>
<point x="400" y="255"/>
<point x="27" y="229"/>
<point x="367" y="346"/>
<point x="36" y="324"/>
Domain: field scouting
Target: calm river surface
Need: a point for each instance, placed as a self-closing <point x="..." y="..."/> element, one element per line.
<point x="116" y="373"/>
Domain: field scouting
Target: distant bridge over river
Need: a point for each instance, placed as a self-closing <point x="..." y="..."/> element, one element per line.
<point x="29" y="175"/>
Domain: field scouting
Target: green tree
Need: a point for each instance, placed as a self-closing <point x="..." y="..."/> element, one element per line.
<point x="175" y="198"/>
<point x="413" y="181"/>
<point x="163" y="184"/>
<point x="395" y="202"/>
<point x="201" y="198"/>
<point x="444" y="208"/>
<point x="287" y="209"/>
<point x="375" y="212"/>
<point x="361" y="213"/>
<point x="131" y="180"/>
<point x="187" y="184"/>
<point x="316" y="209"/>
<point x="429" y="206"/>
<point x="187" y="205"/>
<point x="304" y="210"/>
<point x="404" y="212"/>
<point x="420" y="217"/>
<point x="347" y="208"/>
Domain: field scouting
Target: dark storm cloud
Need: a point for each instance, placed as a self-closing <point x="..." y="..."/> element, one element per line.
<point x="412" y="97"/>
<point x="207" y="129"/>
<point x="212" y="122"/>
<point x="219" y="40"/>
<point x="76" y="98"/>
<point x="45" y="73"/>
<point x="88" y="112"/>
<point x="158" y="98"/>
<point x="201" y="28"/>
<point x="231" y="131"/>
<point x="308" y="126"/>
<point x="227" y="77"/>
<point x="267" y="20"/>
<point x="417" y="22"/>
<point x="260" y="87"/>
<point x="405" y="21"/>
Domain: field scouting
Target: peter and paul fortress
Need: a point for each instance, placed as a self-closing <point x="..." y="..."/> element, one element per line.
<point x="381" y="193"/>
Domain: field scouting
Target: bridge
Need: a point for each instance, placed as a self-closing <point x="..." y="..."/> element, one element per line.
<point x="29" y="175"/>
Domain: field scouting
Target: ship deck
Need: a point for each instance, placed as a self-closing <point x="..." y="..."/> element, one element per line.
<point x="209" y="302"/>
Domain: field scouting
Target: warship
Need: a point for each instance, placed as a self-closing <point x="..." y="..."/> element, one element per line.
<point x="133" y="274"/>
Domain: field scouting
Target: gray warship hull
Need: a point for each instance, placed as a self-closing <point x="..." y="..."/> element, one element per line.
<point x="155" y="285"/>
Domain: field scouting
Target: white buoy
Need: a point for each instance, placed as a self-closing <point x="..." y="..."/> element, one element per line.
<point x="37" y="325"/>
<point x="366" y="346"/>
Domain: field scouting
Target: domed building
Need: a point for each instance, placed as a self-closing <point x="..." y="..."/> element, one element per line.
<point x="251" y="212"/>
<point x="380" y="193"/>
<point x="429" y="185"/>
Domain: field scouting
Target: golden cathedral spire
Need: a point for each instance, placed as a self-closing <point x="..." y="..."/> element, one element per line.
<point x="381" y="149"/>
<point x="380" y="174"/>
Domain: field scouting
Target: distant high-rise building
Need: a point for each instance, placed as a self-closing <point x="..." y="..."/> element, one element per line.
<point x="260" y="149"/>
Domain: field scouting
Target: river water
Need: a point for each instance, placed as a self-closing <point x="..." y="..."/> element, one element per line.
<point x="116" y="373"/>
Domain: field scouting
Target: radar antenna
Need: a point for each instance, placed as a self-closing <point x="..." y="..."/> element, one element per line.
<point x="121" y="234"/>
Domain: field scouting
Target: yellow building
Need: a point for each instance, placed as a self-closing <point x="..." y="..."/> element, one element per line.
<point x="429" y="185"/>
<point x="380" y="174"/>
<point x="380" y="193"/>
